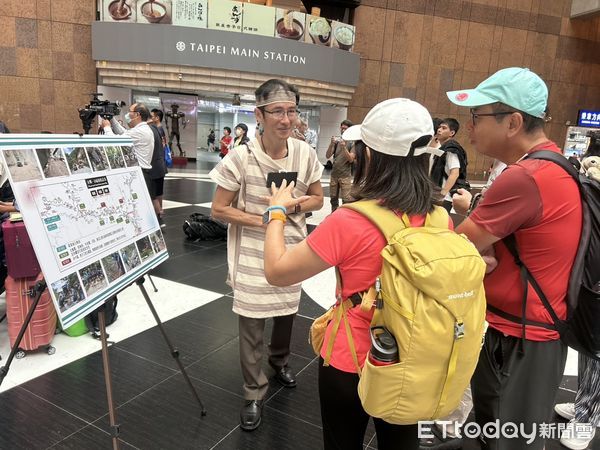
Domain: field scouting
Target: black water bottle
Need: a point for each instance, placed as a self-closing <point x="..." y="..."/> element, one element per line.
<point x="384" y="349"/>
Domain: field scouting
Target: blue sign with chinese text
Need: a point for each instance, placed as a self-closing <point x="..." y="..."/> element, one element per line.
<point x="587" y="118"/>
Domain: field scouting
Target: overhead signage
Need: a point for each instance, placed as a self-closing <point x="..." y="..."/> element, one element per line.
<point x="587" y="118"/>
<point x="86" y="203"/>
<point x="201" y="47"/>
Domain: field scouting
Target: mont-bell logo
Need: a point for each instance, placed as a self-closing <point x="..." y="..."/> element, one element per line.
<point x="460" y="295"/>
<point x="180" y="46"/>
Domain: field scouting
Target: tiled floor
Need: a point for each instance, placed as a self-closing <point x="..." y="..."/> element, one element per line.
<point x="66" y="407"/>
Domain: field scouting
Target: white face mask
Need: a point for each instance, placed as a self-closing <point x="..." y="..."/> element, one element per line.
<point x="128" y="118"/>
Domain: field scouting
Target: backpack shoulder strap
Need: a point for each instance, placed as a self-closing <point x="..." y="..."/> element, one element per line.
<point x="558" y="159"/>
<point x="383" y="218"/>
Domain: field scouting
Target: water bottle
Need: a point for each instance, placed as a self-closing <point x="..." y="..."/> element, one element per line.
<point x="384" y="349"/>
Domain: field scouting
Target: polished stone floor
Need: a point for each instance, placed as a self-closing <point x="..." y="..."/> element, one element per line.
<point x="66" y="408"/>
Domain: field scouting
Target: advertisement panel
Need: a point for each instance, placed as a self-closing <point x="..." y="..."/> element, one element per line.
<point x="259" y="20"/>
<point x="225" y="15"/>
<point x="190" y="13"/>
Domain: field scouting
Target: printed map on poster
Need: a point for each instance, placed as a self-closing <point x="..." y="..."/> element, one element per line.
<point x="88" y="214"/>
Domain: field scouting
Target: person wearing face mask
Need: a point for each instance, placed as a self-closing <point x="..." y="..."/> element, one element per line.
<point x="147" y="146"/>
<point x="241" y="135"/>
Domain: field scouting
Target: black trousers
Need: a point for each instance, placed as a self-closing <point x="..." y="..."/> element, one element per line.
<point x="345" y="421"/>
<point x="520" y="388"/>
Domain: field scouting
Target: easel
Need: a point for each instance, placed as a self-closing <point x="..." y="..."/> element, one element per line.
<point x="37" y="291"/>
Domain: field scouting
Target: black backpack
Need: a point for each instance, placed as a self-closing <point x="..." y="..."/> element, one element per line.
<point x="110" y="315"/>
<point x="199" y="227"/>
<point x="581" y="329"/>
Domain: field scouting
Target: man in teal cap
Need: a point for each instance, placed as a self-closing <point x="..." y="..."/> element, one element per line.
<point x="536" y="203"/>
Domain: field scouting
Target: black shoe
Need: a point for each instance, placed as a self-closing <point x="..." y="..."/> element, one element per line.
<point x="438" y="442"/>
<point x="285" y="376"/>
<point x="250" y="415"/>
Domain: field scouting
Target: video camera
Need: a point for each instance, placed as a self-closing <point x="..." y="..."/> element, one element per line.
<point x="103" y="108"/>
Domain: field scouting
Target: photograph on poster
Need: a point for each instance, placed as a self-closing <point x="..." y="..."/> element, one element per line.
<point x="22" y="165"/>
<point x="158" y="242"/>
<point x="145" y="248"/>
<point x="342" y="36"/>
<point x="119" y="10"/>
<point x="68" y="292"/>
<point x="98" y="158"/>
<point x="129" y="156"/>
<point x="115" y="158"/>
<point x="52" y="161"/>
<point x="77" y="160"/>
<point x="113" y="266"/>
<point x="130" y="256"/>
<point x="93" y="278"/>
<point x="289" y="24"/>
<point x="318" y="30"/>
<point x="154" y="11"/>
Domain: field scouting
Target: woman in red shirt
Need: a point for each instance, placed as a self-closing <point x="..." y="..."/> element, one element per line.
<point x="225" y="141"/>
<point x="392" y="163"/>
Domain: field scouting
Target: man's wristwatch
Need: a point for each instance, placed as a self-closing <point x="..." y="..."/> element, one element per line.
<point x="273" y="214"/>
<point x="297" y="208"/>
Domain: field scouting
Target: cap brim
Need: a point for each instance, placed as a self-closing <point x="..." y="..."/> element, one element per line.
<point x="352" y="134"/>
<point x="469" y="97"/>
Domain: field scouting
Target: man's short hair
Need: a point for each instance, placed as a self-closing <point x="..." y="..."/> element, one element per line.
<point x="158" y="113"/>
<point x="143" y="111"/>
<point x="452" y="124"/>
<point x="530" y="123"/>
<point x="228" y="129"/>
<point x="270" y="87"/>
<point x="346" y="122"/>
<point x="436" y="123"/>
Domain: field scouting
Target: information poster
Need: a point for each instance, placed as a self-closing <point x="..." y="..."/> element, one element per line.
<point x="290" y="24"/>
<point x="190" y="13"/>
<point x="577" y="141"/>
<point x="225" y="15"/>
<point x="158" y="11"/>
<point x="259" y="19"/>
<point x="88" y="213"/>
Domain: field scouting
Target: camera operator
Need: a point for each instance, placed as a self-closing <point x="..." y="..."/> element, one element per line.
<point x="144" y="148"/>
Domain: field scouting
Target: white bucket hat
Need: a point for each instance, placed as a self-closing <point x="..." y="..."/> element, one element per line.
<point x="392" y="126"/>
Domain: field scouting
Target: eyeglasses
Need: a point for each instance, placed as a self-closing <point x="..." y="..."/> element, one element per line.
<point x="281" y="113"/>
<point x="475" y="115"/>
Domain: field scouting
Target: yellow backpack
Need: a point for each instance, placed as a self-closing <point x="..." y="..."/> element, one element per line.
<point x="430" y="296"/>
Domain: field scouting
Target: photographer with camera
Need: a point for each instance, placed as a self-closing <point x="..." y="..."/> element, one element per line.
<point x="341" y="173"/>
<point x="147" y="146"/>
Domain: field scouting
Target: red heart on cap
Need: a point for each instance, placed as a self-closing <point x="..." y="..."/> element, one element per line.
<point x="461" y="97"/>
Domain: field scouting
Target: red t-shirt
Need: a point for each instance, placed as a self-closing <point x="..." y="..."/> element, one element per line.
<point x="539" y="202"/>
<point x="225" y="142"/>
<point x="350" y="241"/>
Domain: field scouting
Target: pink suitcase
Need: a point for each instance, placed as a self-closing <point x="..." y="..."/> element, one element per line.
<point x="20" y="257"/>
<point x="42" y="327"/>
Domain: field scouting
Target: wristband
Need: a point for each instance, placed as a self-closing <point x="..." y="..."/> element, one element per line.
<point x="277" y="207"/>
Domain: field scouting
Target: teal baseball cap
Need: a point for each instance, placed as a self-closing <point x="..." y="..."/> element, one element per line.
<point x="514" y="86"/>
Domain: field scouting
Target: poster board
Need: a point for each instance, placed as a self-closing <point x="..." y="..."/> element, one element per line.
<point x="259" y="19"/>
<point x="576" y="141"/>
<point x="190" y="13"/>
<point x="88" y="213"/>
<point x="289" y="24"/>
<point x="225" y="15"/>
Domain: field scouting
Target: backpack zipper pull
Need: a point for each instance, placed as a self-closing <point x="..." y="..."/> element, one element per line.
<point x="379" y="299"/>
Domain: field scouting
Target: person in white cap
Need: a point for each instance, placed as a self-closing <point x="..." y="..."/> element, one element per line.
<point x="535" y="208"/>
<point x="392" y="166"/>
<point x="241" y="179"/>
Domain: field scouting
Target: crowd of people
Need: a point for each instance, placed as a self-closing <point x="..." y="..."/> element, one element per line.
<point x="405" y="162"/>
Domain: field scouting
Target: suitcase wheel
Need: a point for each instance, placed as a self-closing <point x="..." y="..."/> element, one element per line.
<point x="20" y="354"/>
<point x="50" y="350"/>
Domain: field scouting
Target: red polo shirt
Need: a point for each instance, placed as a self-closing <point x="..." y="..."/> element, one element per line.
<point x="540" y="203"/>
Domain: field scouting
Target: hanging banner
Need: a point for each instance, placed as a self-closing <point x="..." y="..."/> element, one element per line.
<point x="190" y="13"/>
<point x="88" y="214"/>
